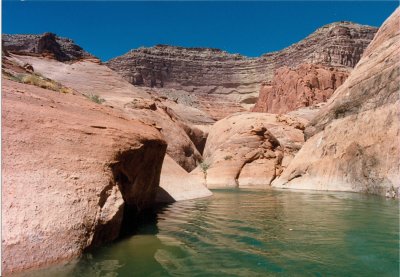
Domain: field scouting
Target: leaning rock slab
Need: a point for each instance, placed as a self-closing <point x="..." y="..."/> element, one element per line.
<point x="176" y="184"/>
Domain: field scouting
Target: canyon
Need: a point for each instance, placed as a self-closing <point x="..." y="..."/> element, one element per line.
<point x="209" y="79"/>
<point x="97" y="143"/>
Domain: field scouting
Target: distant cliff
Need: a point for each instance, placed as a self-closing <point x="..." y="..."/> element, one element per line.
<point x="62" y="49"/>
<point x="205" y="71"/>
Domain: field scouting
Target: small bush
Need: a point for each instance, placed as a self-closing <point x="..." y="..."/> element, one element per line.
<point x="15" y="78"/>
<point x="66" y="90"/>
<point x="95" y="98"/>
<point x="42" y="82"/>
<point x="229" y="157"/>
<point x="204" y="166"/>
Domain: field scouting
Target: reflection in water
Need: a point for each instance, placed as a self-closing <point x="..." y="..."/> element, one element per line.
<point x="256" y="233"/>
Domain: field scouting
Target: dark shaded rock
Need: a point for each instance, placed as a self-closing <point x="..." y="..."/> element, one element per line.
<point x="62" y="49"/>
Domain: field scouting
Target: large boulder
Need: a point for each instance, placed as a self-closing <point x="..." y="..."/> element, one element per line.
<point x="354" y="139"/>
<point x="249" y="149"/>
<point x="93" y="79"/>
<point x="69" y="169"/>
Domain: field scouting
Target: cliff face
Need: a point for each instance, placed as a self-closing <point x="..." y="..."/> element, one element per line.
<point x="304" y="86"/>
<point x="62" y="49"/>
<point x="212" y="72"/>
<point x="353" y="140"/>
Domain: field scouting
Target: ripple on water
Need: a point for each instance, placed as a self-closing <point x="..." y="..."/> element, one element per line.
<point x="256" y="233"/>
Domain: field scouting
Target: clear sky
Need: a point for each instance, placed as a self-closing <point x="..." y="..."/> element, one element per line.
<point x="108" y="29"/>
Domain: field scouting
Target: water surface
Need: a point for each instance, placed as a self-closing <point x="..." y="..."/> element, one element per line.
<point x="256" y="233"/>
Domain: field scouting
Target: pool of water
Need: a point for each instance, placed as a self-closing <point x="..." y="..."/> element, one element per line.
<point x="256" y="233"/>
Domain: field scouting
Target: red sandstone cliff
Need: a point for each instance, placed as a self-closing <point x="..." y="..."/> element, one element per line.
<point x="303" y="86"/>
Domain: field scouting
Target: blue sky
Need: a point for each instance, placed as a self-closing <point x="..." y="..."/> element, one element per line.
<point x="108" y="29"/>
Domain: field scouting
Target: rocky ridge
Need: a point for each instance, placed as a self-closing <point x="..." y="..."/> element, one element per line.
<point x="62" y="49"/>
<point x="205" y="72"/>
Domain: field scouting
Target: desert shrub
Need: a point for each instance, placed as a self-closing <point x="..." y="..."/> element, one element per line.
<point x="12" y="77"/>
<point x="95" y="98"/>
<point x="39" y="81"/>
<point x="229" y="157"/>
<point x="204" y="166"/>
<point x="66" y="90"/>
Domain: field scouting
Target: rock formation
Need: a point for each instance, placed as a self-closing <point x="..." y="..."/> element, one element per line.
<point x="62" y="49"/>
<point x="304" y="86"/>
<point x="65" y="153"/>
<point x="212" y="76"/>
<point x="69" y="167"/>
<point x="89" y="163"/>
<point x="175" y="121"/>
<point x="249" y="149"/>
<point x="353" y="140"/>
<point x="176" y="184"/>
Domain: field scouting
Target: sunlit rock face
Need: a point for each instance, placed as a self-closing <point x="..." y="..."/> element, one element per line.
<point x="222" y="83"/>
<point x="304" y="86"/>
<point x="353" y="140"/>
<point x="69" y="168"/>
<point x="249" y="149"/>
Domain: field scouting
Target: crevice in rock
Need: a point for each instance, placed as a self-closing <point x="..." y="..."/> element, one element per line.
<point x="131" y="192"/>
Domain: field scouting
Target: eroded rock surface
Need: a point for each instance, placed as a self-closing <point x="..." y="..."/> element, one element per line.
<point x="62" y="49"/>
<point x="304" y="86"/>
<point x="353" y="144"/>
<point x="249" y="149"/>
<point x="208" y="76"/>
<point x="175" y="121"/>
<point x="69" y="167"/>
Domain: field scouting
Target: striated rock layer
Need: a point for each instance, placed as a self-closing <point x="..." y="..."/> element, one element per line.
<point x="47" y="44"/>
<point x="304" y="86"/>
<point x="212" y="75"/>
<point x="353" y="141"/>
<point x="69" y="168"/>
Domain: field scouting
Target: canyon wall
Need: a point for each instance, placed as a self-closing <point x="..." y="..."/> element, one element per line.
<point x="210" y="76"/>
<point x="353" y="141"/>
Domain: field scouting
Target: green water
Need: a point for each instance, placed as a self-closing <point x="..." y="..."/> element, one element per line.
<point x="257" y="233"/>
